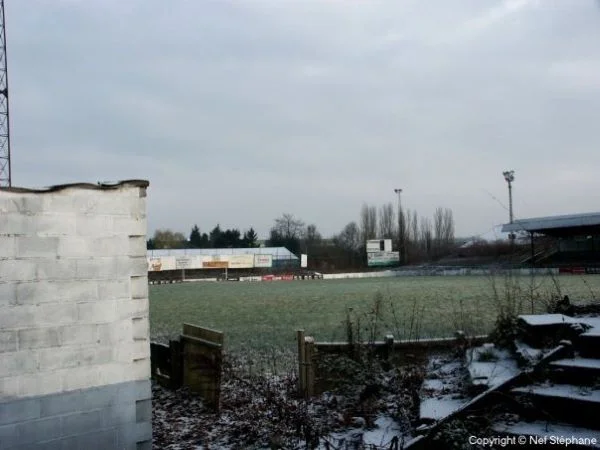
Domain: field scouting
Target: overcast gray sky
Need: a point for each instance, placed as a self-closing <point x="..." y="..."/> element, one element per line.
<point x="239" y="111"/>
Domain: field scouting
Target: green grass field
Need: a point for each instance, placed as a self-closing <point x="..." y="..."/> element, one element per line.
<point x="265" y="315"/>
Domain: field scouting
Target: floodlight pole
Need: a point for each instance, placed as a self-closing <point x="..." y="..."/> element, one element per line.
<point x="400" y="227"/>
<point x="509" y="176"/>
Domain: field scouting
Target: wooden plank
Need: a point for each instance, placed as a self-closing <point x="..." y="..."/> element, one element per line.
<point x="203" y="333"/>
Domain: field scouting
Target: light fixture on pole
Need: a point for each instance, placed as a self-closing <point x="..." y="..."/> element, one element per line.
<point x="509" y="176"/>
<point x="400" y="227"/>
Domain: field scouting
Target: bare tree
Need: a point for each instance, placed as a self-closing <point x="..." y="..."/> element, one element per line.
<point x="349" y="238"/>
<point x="448" y="228"/>
<point x="165" y="238"/>
<point x="387" y="229"/>
<point x="438" y="230"/>
<point x="368" y="219"/>
<point x="288" y="227"/>
<point x="426" y="237"/>
<point x="443" y="225"/>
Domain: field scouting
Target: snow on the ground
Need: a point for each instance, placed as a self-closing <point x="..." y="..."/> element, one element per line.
<point x="442" y="391"/>
<point x="562" y="391"/>
<point x="580" y="363"/>
<point x="490" y="366"/>
<point x="547" y="319"/>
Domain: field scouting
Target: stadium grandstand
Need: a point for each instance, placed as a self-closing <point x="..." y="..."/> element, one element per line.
<point x="570" y="242"/>
<point x="221" y="263"/>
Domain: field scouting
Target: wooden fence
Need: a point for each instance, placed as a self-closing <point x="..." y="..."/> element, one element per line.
<point x="312" y="381"/>
<point x="195" y="360"/>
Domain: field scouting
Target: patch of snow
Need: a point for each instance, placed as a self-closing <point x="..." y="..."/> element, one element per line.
<point x="547" y="319"/>
<point x="529" y="353"/>
<point x="580" y="363"/>
<point x="491" y="373"/>
<point x="381" y="435"/>
<point x="433" y="385"/>
<point x="593" y="323"/>
<point x="562" y="391"/>
<point x="438" y="408"/>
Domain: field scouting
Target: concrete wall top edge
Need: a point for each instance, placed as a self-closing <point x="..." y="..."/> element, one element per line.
<point x="97" y="186"/>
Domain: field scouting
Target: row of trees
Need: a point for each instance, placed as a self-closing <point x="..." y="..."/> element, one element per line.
<point x="417" y="238"/>
<point x="217" y="238"/>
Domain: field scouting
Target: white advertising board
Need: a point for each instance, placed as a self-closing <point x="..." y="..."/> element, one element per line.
<point x="184" y="262"/>
<point x="263" y="260"/>
<point x="379" y="245"/>
<point x="382" y="259"/>
<point x="303" y="260"/>
<point x="241" y="261"/>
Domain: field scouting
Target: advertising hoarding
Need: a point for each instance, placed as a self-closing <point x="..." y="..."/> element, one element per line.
<point x="184" y="262"/>
<point x="303" y="260"/>
<point x="241" y="261"/>
<point x="215" y="264"/>
<point x="375" y="259"/>
<point x="263" y="260"/>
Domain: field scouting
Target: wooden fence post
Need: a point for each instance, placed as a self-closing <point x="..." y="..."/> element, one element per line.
<point x="389" y="346"/>
<point x="176" y="364"/>
<point x="301" y="363"/>
<point x="309" y="347"/>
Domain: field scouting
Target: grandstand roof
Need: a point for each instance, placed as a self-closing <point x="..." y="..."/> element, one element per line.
<point x="276" y="252"/>
<point x="572" y="224"/>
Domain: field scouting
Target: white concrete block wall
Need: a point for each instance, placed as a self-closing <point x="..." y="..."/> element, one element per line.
<point x="73" y="289"/>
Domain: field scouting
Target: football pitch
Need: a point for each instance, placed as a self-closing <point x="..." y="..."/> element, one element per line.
<point x="259" y="316"/>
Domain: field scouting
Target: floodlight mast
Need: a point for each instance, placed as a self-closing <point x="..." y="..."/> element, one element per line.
<point x="5" y="173"/>
<point x="509" y="176"/>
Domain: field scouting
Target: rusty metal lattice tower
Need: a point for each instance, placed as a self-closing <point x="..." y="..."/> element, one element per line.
<point x="5" y="175"/>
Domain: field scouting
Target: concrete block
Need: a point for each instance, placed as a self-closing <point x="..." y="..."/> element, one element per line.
<point x="17" y="270"/>
<point x="141" y="369"/>
<point x="37" y="247"/>
<point x="143" y="410"/>
<point x="137" y="246"/>
<point x="114" y="333"/>
<point x="8" y="246"/>
<point x="123" y="353"/>
<point x="53" y="359"/>
<point x="22" y="203"/>
<point x="40" y="384"/>
<point x="85" y="400"/>
<point x="129" y="309"/>
<point x="139" y="286"/>
<point x="17" y="363"/>
<point x="81" y="377"/>
<point x="131" y="434"/>
<point x="141" y="327"/>
<point x="120" y="413"/>
<point x="103" y="439"/>
<point x="141" y="349"/>
<point x="53" y="224"/>
<point x="9" y="388"/>
<point x="8" y="293"/>
<point x="82" y="422"/>
<point x="57" y="291"/>
<point x="79" y="334"/>
<point x="74" y="246"/>
<point x="39" y="430"/>
<point x="54" y="269"/>
<point x="115" y="245"/>
<point x="57" y="314"/>
<point x="8" y="341"/>
<point x="138" y="266"/>
<point x="9" y="436"/>
<point x="19" y="411"/>
<point x="101" y="268"/>
<point x="114" y="289"/>
<point x="94" y="225"/>
<point x="15" y="317"/>
<point x="144" y="445"/>
<point x="36" y="338"/>
<point x="97" y="312"/>
<point x="113" y="373"/>
<point x="143" y="389"/>
<point x="131" y="226"/>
